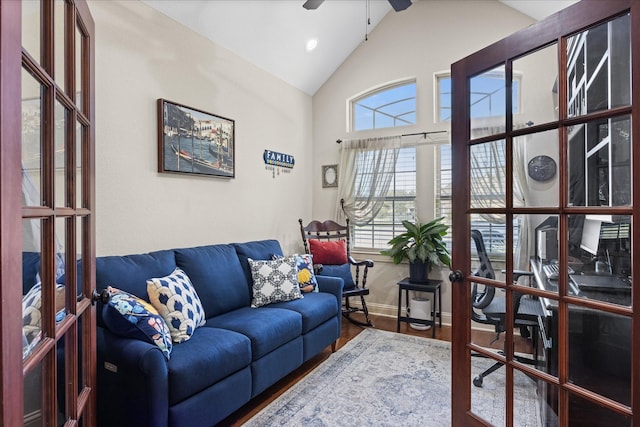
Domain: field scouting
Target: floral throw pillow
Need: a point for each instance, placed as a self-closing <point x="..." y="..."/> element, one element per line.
<point x="132" y="317"/>
<point x="178" y="303"/>
<point x="274" y="280"/>
<point x="306" y="277"/>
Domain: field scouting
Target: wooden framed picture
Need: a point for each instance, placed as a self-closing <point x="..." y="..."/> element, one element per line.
<point x="329" y="176"/>
<point x="193" y="141"/>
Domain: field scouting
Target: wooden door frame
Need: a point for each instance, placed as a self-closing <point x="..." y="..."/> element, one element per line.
<point x="11" y="364"/>
<point x="548" y="31"/>
<point x="11" y="408"/>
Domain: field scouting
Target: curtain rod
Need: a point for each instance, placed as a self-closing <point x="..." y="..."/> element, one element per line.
<point x="424" y="134"/>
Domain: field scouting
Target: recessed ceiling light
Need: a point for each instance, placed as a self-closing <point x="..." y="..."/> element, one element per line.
<point x="311" y="44"/>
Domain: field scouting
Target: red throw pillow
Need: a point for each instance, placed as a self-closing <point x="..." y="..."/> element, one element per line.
<point x="329" y="253"/>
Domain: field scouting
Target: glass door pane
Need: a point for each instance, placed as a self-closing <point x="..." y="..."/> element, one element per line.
<point x="32" y="94"/>
<point x="535" y="88"/>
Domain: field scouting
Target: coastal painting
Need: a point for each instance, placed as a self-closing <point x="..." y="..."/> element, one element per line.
<point x="193" y="141"/>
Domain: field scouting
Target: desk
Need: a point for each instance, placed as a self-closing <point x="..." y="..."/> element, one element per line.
<point x="433" y="287"/>
<point x="599" y="353"/>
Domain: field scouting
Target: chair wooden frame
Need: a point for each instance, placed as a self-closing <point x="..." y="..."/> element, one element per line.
<point x="331" y="231"/>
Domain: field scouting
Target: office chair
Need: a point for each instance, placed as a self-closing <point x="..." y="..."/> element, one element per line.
<point x="329" y="244"/>
<point x="489" y="308"/>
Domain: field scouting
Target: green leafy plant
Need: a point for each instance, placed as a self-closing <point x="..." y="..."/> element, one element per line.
<point x="421" y="242"/>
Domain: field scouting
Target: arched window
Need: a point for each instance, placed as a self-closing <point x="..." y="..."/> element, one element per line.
<point x="389" y="106"/>
<point x="392" y="105"/>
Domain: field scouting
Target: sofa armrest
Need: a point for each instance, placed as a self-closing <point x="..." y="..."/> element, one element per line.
<point x="133" y="382"/>
<point x="331" y="285"/>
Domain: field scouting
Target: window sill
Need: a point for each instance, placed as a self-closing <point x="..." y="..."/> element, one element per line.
<point x="372" y="254"/>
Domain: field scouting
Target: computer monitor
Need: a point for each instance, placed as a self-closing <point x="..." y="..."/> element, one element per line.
<point x="591" y="235"/>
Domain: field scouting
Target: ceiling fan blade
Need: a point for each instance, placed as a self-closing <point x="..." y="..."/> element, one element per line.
<point x="399" y="5"/>
<point x="312" y="4"/>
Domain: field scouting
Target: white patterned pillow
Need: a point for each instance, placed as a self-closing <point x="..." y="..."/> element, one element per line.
<point x="178" y="303"/>
<point x="274" y="280"/>
<point x="31" y="315"/>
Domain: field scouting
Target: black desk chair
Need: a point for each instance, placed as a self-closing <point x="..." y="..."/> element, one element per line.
<point x="489" y="308"/>
<point x="329" y="244"/>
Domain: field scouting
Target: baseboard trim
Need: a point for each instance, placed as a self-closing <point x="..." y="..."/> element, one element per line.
<point x="386" y="310"/>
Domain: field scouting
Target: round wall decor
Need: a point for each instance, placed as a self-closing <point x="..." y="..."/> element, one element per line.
<point x="542" y="168"/>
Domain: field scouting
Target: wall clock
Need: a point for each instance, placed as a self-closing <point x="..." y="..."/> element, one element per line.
<point x="542" y="168"/>
<point x="329" y="176"/>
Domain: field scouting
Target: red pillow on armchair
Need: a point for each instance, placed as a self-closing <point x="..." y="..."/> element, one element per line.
<point x="329" y="253"/>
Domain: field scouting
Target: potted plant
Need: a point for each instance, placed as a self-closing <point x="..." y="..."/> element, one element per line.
<point x="422" y="245"/>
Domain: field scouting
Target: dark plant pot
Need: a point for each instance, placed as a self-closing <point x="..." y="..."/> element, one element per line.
<point x="419" y="272"/>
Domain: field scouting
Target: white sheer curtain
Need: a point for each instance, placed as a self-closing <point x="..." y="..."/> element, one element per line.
<point x="521" y="197"/>
<point x="488" y="178"/>
<point x="367" y="168"/>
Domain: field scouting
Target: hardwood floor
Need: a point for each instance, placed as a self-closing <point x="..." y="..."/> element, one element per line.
<point x="349" y="331"/>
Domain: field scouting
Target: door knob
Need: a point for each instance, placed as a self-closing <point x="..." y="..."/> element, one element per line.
<point x="103" y="296"/>
<point x="456" y="276"/>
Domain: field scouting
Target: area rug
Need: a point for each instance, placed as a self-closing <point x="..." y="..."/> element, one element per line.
<point x="383" y="378"/>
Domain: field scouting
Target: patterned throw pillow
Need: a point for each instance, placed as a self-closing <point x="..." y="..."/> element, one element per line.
<point x="306" y="277"/>
<point x="178" y="303"/>
<point x="274" y="280"/>
<point x="31" y="316"/>
<point x="132" y="317"/>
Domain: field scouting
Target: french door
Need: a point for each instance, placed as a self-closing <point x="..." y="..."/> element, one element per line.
<point x="544" y="127"/>
<point x="47" y="210"/>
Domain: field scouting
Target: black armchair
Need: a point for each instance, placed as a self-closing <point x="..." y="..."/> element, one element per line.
<point x="488" y="307"/>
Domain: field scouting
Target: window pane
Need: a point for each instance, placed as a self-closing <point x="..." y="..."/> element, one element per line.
<point x="32" y="93"/>
<point x="535" y="171"/>
<point x="599" y="68"/>
<point x="487" y="100"/>
<point x="599" y="163"/>
<point x="59" y="51"/>
<point x="487" y="103"/>
<point x="539" y="71"/>
<point x="488" y="180"/>
<point x="606" y="367"/>
<point x="444" y="98"/>
<point x="399" y="203"/>
<point x="443" y="192"/>
<point x="60" y="140"/>
<point x="79" y="165"/>
<point x="390" y="107"/>
<point x="31" y="24"/>
<point x="79" y="58"/>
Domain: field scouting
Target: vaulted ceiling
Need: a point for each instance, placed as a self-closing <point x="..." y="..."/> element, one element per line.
<point x="272" y="34"/>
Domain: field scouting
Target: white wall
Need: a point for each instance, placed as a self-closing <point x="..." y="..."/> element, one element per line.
<point x="142" y="55"/>
<point x="419" y="42"/>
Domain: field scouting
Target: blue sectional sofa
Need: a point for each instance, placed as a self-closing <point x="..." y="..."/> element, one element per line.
<point x="236" y="355"/>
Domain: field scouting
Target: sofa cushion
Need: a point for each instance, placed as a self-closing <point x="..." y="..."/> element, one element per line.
<point x="331" y="252"/>
<point x="209" y="356"/>
<point x="274" y="280"/>
<point x="217" y="276"/>
<point x="178" y="303"/>
<point x="342" y="271"/>
<point x="132" y="317"/>
<point x="315" y="309"/>
<point x="267" y="328"/>
<point x="130" y="273"/>
<point x="259" y="249"/>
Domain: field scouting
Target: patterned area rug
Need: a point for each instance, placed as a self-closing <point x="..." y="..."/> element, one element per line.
<point x="382" y="378"/>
